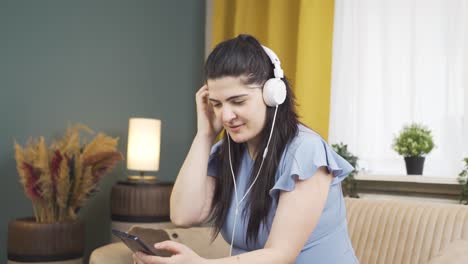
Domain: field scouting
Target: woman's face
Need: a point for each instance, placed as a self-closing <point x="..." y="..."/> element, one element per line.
<point x="240" y="107"/>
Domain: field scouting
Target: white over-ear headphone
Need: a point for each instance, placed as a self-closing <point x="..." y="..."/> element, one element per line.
<point x="274" y="94"/>
<point x="274" y="90"/>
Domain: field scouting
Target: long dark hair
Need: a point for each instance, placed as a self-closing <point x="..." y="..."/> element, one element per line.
<point x="244" y="56"/>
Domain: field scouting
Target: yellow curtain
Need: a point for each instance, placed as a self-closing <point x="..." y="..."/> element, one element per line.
<point x="300" y="33"/>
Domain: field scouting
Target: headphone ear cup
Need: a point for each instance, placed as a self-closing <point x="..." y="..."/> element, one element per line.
<point x="274" y="92"/>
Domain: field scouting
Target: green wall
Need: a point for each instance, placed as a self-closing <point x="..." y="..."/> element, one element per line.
<point x="97" y="62"/>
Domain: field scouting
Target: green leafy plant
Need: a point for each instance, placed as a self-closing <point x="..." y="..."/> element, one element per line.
<point x="463" y="180"/>
<point x="349" y="184"/>
<point x="414" y="140"/>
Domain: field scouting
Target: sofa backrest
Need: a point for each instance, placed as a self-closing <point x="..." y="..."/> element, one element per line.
<point x="403" y="231"/>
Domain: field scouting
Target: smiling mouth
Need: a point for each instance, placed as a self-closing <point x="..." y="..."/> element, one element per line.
<point x="235" y="128"/>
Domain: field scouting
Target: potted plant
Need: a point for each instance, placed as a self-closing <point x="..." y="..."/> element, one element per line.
<point x="58" y="179"/>
<point x="463" y="180"/>
<point x="413" y="143"/>
<point x="348" y="184"/>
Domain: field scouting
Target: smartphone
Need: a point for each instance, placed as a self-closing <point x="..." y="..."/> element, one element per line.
<point x="134" y="242"/>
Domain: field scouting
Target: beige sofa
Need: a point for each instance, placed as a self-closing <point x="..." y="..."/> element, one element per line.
<point x="381" y="232"/>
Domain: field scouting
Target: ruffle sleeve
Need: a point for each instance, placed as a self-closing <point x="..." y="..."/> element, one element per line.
<point x="213" y="160"/>
<point x="302" y="160"/>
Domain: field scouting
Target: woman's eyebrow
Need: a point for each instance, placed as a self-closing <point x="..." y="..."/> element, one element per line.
<point x="229" y="99"/>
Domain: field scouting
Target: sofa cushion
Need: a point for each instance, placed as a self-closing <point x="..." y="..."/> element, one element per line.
<point x="197" y="238"/>
<point x="390" y="231"/>
<point x="454" y="253"/>
<point x="115" y="253"/>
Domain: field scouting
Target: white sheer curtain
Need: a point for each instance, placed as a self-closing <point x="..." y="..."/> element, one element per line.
<point x="397" y="62"/>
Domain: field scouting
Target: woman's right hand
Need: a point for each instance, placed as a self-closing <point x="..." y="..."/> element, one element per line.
<point x="207" y="123"/>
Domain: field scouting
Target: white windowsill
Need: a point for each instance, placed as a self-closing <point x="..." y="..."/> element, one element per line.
<point x="406" y="178"/>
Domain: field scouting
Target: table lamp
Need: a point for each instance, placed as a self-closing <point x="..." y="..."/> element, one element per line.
<point x="144" y="143"/>
<point x="142" y="199"/>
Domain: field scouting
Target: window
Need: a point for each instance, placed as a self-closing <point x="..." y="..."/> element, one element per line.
<point x="398" y="62"/>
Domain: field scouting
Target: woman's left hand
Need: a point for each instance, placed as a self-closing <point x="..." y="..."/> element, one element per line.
<point x="182" y="255"/>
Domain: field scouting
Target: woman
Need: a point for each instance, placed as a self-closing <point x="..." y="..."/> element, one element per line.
<point x="285" y="204"/>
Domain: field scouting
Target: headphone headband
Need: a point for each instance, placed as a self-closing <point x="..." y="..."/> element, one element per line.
<point x="275" y="61"/>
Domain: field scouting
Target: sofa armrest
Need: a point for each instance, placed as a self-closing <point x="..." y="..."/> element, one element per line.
<point x="454" y="253"/>
<point x="196" y="238"/>
<point x="115" y="253"/>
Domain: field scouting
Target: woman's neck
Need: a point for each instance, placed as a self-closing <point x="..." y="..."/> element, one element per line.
<point x="252" y="148"/>
<point x="251" y="152"/>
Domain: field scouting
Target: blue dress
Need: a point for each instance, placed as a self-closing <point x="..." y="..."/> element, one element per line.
<point x="329" y="242"/>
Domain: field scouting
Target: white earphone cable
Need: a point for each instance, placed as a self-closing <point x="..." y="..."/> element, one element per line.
<point x="251" y="185"/>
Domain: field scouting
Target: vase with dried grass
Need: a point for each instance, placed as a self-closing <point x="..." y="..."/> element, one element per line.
<point x="58" y="179"/>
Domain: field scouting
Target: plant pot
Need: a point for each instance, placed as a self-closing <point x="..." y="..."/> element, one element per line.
<point x="414" y="165"/>
<point x="61" y="242"/>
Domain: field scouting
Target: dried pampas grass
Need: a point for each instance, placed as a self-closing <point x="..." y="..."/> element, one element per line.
<point x="60" y="178"/>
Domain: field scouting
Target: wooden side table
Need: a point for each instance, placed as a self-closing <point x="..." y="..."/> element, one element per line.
<point x="145" y="204"/>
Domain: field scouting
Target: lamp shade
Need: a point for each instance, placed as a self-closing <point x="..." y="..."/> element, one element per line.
<point x="144" y="141"/>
